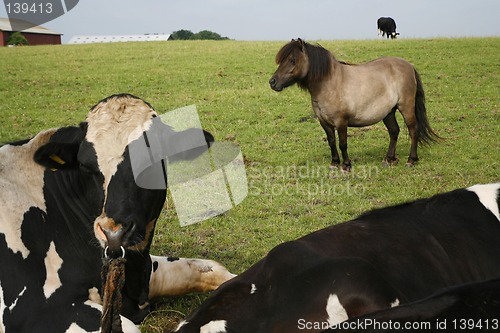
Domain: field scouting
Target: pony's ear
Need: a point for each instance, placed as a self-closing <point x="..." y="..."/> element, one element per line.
<point x="301" y="43"/>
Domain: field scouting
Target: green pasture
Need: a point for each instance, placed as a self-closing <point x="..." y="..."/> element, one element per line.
<point x="291" y="191"/>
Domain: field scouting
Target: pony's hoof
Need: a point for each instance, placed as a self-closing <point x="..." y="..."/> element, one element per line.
<point x="346" y="168"/>
<point x="389" y="162"/>
<point x="411" y="162"/>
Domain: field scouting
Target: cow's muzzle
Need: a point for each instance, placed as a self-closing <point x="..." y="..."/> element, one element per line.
<point x="114" y="237"/>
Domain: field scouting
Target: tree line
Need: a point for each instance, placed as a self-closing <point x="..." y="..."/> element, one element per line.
<point x="189" y="35"/>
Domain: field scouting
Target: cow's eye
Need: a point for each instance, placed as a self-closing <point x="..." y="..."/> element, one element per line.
<point x="292" y="61"/>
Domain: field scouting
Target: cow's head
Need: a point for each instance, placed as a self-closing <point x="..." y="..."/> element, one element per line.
<point x="126" y="213"/>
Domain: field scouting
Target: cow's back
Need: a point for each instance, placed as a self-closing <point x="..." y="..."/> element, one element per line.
<point x="419" y="246"/>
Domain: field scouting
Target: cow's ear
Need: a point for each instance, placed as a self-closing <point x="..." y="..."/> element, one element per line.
<point x="62" y="150"/>
<point x="58" y="155"/>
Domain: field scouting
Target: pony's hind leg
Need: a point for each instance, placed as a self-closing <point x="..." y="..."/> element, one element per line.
<point x="411" y="123"/>
<point x="330" y="136"/>
<point x="393" y="129"/>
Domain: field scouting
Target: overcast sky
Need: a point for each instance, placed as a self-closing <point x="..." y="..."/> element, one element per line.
<point x="281" y="19"/>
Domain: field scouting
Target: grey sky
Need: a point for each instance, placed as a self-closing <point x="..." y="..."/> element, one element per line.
<point x="281" y="19"/>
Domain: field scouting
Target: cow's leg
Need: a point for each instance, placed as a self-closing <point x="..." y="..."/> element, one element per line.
<point x="176" y="276"/>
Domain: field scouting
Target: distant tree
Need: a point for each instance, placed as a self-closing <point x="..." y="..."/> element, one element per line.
<point x="181" y="34"/>
<point x="188" y="34"/>
<point x="17" y="38"/>
<point x="206" y="34"/>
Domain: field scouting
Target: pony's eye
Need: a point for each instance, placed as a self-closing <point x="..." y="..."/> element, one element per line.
<point x="292" y="61"/>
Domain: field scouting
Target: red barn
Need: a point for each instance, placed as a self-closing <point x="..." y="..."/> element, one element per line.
<point x="37" y="35"/>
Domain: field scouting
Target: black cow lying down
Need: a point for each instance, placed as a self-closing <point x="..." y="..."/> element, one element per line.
<point x="65" y="195"/>
<point x="381" y="259"/>
<point x="472" y="307"/>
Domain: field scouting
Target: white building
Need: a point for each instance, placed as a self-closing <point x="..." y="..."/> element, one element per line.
<point x="118" y="38"/>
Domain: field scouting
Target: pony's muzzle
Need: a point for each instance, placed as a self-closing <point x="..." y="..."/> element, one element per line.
<point x="274" y="84"/>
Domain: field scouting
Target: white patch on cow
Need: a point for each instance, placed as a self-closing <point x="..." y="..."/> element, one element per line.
<point x="182" y="323"/>
<point x="112" y="125"/>
<point x="215" y="326"/>
<point x="127" y="325"/>
<point x="2" y="309"/>
<point x="53" y="263"/>
<point x="13" y="305"/>
<point x="184" y="275"/>
<point x="74" y="328"/>
<point x="253" y="289"/>
<point x="94" y="295"/>
<point x="395" y="303"/>
<point x="335" y="310"/>
<point x="488" y="194"/>
<point x="21" y="187"/>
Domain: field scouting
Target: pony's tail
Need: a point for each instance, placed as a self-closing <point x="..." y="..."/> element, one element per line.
<point x="425" y="133"/>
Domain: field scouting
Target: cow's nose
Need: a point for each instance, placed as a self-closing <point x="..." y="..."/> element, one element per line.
<point x="114" y="238"/>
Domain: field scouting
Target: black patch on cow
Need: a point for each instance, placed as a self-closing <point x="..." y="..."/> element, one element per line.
<point x="155" y="266"/>
<point x="172" y="259"/>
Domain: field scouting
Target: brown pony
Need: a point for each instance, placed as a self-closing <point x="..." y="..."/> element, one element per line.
<point x="356" y="95"/>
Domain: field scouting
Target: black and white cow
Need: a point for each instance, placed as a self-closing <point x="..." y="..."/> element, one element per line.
<point x="66" y="194"/>
<point x="473" y="307"/>
<point x="387" y="26"/>
<point x="381" y="259"/>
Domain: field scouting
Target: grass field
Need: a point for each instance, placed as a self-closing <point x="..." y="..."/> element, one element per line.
<point x="291" y="192"/>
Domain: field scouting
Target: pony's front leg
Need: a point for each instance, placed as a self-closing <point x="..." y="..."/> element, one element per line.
<point x="342" y="131"/>
<point x="330" y="136"/>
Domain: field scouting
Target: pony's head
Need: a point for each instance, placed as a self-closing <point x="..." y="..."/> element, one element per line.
<point x="300" y="62"/>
